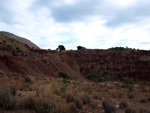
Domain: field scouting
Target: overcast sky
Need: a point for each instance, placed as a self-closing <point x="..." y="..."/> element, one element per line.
<point x="90" y="23"/>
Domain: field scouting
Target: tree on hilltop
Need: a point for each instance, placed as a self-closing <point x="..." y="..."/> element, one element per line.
<point x="61" y="47"/>
<point x="80" y="47"/>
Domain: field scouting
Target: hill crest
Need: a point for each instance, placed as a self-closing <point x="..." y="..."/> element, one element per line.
<point x="20" y="39"/>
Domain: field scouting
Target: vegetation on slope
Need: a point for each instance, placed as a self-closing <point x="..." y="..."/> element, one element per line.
<point x="12" y="44"/>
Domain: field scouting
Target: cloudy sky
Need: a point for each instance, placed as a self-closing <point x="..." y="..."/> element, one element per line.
<point x="90" y="23"/>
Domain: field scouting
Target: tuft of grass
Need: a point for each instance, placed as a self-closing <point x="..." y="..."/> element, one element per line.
<point x="143" y="99"/>
<point x="95" y="95"/>
<point x="73" y="109"/>
<point x="86" y="99"/>
<point x="29" y="103"/>
<point x="123" y="104"/>
<point x="144" y="110"/>
<point x="14" y="86"/>
<point x="70" y="98"/>
<point x="46" y="106"/>
<point x="131" y="95"/>
<point x="93" y="104"/>
<point x="130" y="110"/>
<point x="109" y="107"/>
<point x="79" y="104"/>
<point x="7" y="100"/>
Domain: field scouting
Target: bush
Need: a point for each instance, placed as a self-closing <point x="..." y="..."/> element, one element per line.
<point x="70" y="98"/>
<point x="17" y="48"/>
<point x="27" y="79"/>
<point x="79" y="104"/>
<point x="93" y="104"/>
<point x="121" y="48"/>
<point x="109" y="107"/>
<point x="93" y="77"/>
<point x="7" y="100"/>
<point x="131" y="95"/>
<point x="123" y="104"/>
<point x="80" y="47"/>
<point x="65" y="76"/>
<point x="130" y="110"/>
<point x="61" y="47"/>
<point x="145" y="84"/>
<point x="29" y="103"/>
<point x="95" y="96"/>
<point x="143" y="99"/>
<point x="128" y="81"/>
<point x="73" y="109"/>
<point x="86" y="99"/>
<point x="46" y="106"/>
<point x="106" y="78"/>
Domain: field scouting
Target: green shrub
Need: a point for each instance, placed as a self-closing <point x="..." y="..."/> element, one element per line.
<point x="17" y="48"/>
<point x="7" y="100"/>
<point x="106" y="78"/>
<point x="46" y="106"/>
<point x="65" y="76"/>
<point x="93" y="77"/>
<point x="128" y="81"/>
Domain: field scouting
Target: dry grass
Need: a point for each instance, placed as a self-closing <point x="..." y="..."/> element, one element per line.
<point x="75" y="96"/>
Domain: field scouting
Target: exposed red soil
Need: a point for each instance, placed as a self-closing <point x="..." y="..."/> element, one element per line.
<point x="115" y="64"/>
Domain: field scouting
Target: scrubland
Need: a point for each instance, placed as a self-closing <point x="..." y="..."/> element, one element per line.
<point x="40" y="94"/>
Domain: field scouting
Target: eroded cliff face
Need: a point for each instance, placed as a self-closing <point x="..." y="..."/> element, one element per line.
<point x="115" y="64"/>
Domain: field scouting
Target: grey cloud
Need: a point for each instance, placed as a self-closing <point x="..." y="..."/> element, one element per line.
<point x="83" y="10"/>
<point x="133" y="14"/>
<point x="76" y="12"/>
<point x="114" y="16"/>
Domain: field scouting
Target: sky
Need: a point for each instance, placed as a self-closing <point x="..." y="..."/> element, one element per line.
<point x="94" y="24"/>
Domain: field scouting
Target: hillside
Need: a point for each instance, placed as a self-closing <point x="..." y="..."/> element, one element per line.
<point x="8" y="44"/>
<point x="30" y="80"/>
<point x="77" y="63"/>
<point x="18" y="38"/>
